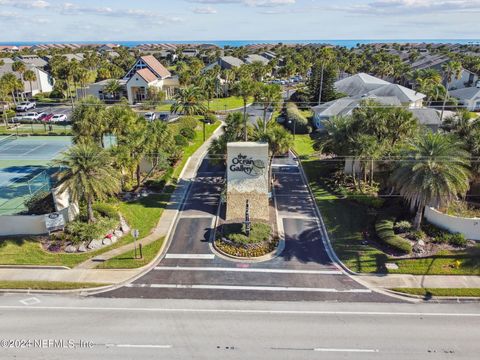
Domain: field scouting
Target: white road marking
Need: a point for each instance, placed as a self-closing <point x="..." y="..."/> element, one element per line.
<point x="190" y="256"/>
<point x="248" y="288"/>
<point x="347" y="350"/>
<point x="30" y="301"/>
<point x="241" y="311"/>
<point x="146" y="346"/>
<point x="196" y="216"/>
<point x="256" y="270"/>
<point x="284" y="165"/>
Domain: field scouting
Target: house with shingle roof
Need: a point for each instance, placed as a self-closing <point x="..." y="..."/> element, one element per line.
<point x="468" y="97"/>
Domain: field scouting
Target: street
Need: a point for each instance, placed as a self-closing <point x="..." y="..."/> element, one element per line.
<point x="302" y="272"/>
<point x="184" y="329"/>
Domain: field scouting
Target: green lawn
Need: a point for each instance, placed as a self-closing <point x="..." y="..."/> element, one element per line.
<point x="194" y="145"/>
<point x="127" y="260"/>
<point x="454" y="292"/>
<point x="27" y="129"/>
<point x="47" y="285"/>
<point x="303" y="145"/>
<point x="142" y="214"/>
<point x="346" y="221"/>
<point x="218" y="104"/>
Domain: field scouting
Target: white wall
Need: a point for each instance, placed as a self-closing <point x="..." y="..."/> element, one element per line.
<point x="470" y="227"/>
<point x="30" y="224"/>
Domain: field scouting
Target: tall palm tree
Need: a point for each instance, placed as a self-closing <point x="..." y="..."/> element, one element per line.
<point x="89" y="123"/>
<point x="30" y="77"/>
<point x="452" y="71"/>
<point x="13" y="85"/>
<point x="434" y="171"/>
<point x="113" y="88"/>
<point x="210" y="89"/>
<point x="245" y="88"/>
<point x="19" y="67"/>
<point x="268" y="95"/>
<point x="88" y="175"/>
<point x="189" y="101"/>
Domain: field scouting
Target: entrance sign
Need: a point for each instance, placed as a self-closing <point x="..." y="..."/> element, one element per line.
<point x="54" y="222"/>
<point x="247" y="180"/>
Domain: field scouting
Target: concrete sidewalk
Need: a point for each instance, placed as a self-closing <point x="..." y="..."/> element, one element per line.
<point x="86" y="272"/>
<point x="419" y="281"/>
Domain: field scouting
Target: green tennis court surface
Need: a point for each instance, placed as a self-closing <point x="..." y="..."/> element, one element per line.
<point x="24" y="168"/>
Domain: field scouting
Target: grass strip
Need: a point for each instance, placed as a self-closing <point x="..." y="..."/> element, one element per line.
<point x="453" y="292"/>
<point x="47" y="285"/>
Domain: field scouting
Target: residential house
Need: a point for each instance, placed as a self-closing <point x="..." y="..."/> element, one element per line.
<point x="43" y="83"/>
<point x="468" y="97"/>
<point x="33" y="60"/>
<point x="8" y="48"/>
<point x="252" y="58"/>
<point x="229" y="62"/>
<point x="146" y="72"/>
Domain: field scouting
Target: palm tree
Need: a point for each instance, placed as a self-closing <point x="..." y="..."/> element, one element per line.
<point x="210" y="89"/>
<point x="113" y="88"/>
<point x="452" y="70"/>
<point x="30" y="77"/>
<point x="245" y="88"/>
<point x="89" y="123"/>
<point x="189" y="101"/>
<point x="434" y="171"/>
<point x="12" y="84"/>
<point x="268" y="95"/>
<point x="19" y="67"/>
<point x="88" y="175"/>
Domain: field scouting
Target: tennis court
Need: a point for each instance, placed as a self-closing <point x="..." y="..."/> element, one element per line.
<point x="25" y="168"/>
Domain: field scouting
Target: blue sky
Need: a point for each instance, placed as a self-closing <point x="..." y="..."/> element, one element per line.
<point x="144" y="20"/>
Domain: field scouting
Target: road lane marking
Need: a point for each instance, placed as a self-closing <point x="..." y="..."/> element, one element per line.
<point x="239" y="311"/>
<point x="30" y="301"/>
<point x="190" y="256"/>
<point x="284" y="165"/>
<point x="255" y="270"/>
<point x="247" y="288"/>
<point x="196" y="216"/>
<point x="139" y="346"/>
<point x="347" y="350"/>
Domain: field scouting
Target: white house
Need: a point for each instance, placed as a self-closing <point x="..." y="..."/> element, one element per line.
<point x="468" y="97"/>
<point x="43" y="83"/>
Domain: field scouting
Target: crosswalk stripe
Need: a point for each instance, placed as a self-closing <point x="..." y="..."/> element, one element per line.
<point x="252" y="270"/>
<point x="190" y="256"/>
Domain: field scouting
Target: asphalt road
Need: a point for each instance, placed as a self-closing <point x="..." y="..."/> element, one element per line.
<point x="302" y="272"/>
<point x="176" y="329"/>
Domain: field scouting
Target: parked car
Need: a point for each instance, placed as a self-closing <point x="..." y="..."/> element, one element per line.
<point x="58" y="118"/>
<point x="16" y="119"/>
<point x="163" y="116"/>
<point x="150" y="116"/>
<point x="32" y="116"/>
<point x="26" y="105"/>
<point x="46" y="117"/>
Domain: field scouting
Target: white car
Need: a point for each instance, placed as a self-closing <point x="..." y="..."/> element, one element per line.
<point x="32" y="116"/>
<point x="150" y="116"/>
<point x="25" y="106"/>
<point x="58" y="118"/>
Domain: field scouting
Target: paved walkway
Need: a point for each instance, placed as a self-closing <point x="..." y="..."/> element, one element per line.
<point x="419" y="281"/>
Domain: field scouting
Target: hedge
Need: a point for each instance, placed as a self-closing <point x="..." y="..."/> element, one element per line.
<point x="295" y="116"/>
<point x="384" y="229"/>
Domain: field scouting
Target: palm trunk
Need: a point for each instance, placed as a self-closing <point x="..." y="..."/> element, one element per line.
<point x="14" y="98"/>
<point x="31" y="88"/>
<point x="138" y="176"/>
<point x="264" y="120"/>
<point x="371" y="172"/>
<point x="353" y="173"/>
<point x="245" y="119"/>
<point x="418" y="217"/>
<point x="443" y="106"/>
<point x="91" y="215"/>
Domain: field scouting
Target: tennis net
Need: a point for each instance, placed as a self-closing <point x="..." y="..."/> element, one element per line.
<point x="7" y="139"/>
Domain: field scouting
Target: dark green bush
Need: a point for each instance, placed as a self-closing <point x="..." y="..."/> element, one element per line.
<point x="188" y="122"/>
<point x="40" y="203"/>
<point x="180" y="140"/>
<point x="188" y="133"/>
<point x="432" y="230"/>
<point x="81" y="231"/>
<point x="384" y="229"/>
<point x="416" y="235"/>
<point x="236" y="232"/>
<point x="295" y="117"/>
<point x="402" y="227"/>
<point x="457" y="240"/>
<point x="210" y="118"/>
<point x="106" y="210"/>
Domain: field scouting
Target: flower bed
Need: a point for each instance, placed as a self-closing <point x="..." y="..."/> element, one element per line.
<point x="232" y="239"/>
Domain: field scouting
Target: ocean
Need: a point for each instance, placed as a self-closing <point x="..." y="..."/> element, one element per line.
<point x="237" y="43"/>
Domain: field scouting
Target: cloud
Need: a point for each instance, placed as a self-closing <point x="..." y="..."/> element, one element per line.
<point x="412" y="7"/>
<point x="205" y="10"/>
<point x="26" y="4"/>
<point x="251" y="3"/>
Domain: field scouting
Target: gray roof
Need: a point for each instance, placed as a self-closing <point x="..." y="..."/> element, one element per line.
<point x="468" y="93"/>
<point x="344" y="106"/>
<point x="427" y="116"/>
<point x="429" y="61"/>
<point x="233" y="61"/>
<point x="359" y="84"/>
<point x="34" y="60"/>
<point x="256" y="58"/>
<point x="402" y="93"/>
<point x="7" y="60"/>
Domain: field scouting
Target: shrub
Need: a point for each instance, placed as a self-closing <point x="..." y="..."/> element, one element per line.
<point x="236" y="232"/>
<point x="106" y="210"/>
<point x="371" y="201"/>
<point x="180" y="140"/>
<point x="384" y="229"/>
<point x="188" y="133"/>
<point x="457" y="240"/>
<point x="295" y="116"/>
<point x="82" y="231"/>
<point x="402" y="227"/>
<point x="416" y="235"/>
<point x="210" y="118"/>
<point x="188" y="122"/>
<point x="432" y="230"/>
<point x="40" y="203"/>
